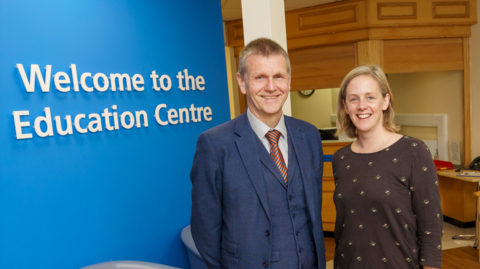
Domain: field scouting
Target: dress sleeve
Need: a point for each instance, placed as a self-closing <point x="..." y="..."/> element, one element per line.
<point x="426" y="206"/>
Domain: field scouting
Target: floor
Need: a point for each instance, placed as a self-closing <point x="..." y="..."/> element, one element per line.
<point x="457" y="254"/>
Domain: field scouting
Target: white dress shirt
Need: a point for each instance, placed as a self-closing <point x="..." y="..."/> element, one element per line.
<point x="261" y="129"/>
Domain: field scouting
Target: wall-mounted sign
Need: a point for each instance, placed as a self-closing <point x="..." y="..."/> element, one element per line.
<point x="109" y="119"/>
<point x="101" y="104"/>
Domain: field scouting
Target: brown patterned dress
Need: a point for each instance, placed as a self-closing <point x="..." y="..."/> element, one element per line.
<point x="388" y="208"/>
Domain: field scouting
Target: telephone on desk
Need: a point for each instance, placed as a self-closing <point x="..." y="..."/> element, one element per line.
<point x="475" y="165"/>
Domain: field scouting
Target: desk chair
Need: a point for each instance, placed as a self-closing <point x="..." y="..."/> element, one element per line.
<point x="128" y="265"/>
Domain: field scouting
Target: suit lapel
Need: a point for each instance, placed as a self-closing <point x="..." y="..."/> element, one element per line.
<point x="301" y="149"/>
<point x="247" y="147"/>
<point x="292" y="160"/>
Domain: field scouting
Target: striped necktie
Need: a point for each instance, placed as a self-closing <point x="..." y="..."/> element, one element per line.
<point x="273" y="136"/>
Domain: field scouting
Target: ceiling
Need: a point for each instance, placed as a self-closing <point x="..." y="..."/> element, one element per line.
<point x="232" y="9"/>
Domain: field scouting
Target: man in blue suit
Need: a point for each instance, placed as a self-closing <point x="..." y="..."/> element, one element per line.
<point x="257" y="179"/>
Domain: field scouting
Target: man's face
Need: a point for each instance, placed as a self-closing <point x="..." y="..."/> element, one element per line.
<point x="266" y="85"/>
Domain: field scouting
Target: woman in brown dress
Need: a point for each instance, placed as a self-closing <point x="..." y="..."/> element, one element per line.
<point x="386" y="196"/>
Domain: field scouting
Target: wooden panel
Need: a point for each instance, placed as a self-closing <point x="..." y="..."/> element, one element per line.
<point x="420" y="32"/>
<point x="452" y="199"/>
<point x="451" y="9"/>
<point x="235" y="33"/>
<point x="331" y="148"/>
<point x="420" y="55"/>
<point x="237" y="51"/>
<point x="327" y="169"/>
<point x="330" y="17"/>
<point x="329" y="213"/>
<point x="329" y="248"/>
<point x="470" y="201"/>
<point x="242" y="99"/>
<point x="329" y="227"/>
<point x="328" y="184"/>
<point x="400" y="13"/>
<point x="457" y="198"/>
<point x="440" y="189"/>
<point x="327" y="39"/>
<point x="467" y="104"/>
<point x="370" y="52"/>
<point x="397" y="11"/>
<point x="310" y="27"/>
<point x="238" y="32"/>
<point x="347" y="21"/>
<point x="321" y="67"/>
<point x="326" y="19"/>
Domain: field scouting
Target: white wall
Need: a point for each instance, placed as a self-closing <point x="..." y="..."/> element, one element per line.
<point x="315" y="109"/>
<point x="431" y="93"/>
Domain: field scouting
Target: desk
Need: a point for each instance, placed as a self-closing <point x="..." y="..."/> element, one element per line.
<point x="452" y="174"/>
<point x="458" y="201"/>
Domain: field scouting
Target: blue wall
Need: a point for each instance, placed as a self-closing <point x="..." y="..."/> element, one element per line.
<point x="75" y="200"/>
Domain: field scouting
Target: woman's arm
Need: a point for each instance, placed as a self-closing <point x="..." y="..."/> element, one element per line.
<point x="426" y="206"/>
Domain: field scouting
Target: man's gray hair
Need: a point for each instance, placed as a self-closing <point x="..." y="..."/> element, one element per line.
<point x="264" y="47"/>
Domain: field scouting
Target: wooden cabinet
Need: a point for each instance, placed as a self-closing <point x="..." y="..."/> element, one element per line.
<point x="458" y="201"/>
<point x="326" y="19"/>
<point x="418" y="55"/>
<point x="421" y="13"/>
<point x="321" y="67"/>
<point x="358" y="20"/>
<point x="328" y="207"/>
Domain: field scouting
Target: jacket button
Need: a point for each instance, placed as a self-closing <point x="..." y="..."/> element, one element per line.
<point x="294" y="215"/>
<point x="265" y="264"/>
<point x="267" y="233"/>
<point x="297" y="233"/>
<point x="300" y="250"/>
<point x="290" y="197"/>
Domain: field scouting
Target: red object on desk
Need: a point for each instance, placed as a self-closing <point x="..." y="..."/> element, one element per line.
<point x="442" y="165"/>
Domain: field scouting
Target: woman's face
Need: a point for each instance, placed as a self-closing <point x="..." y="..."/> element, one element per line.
<point x="365" y="104"/>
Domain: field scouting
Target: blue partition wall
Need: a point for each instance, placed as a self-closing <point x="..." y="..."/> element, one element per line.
<point x="115" y="184"/>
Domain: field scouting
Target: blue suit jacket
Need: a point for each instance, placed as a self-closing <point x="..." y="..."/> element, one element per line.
<point x="230" y="210"/>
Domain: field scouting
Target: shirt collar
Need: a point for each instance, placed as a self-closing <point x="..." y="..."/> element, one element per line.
<point x="261" y="129"/>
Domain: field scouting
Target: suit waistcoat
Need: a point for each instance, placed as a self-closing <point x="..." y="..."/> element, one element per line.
<point x="291" y="234"/>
